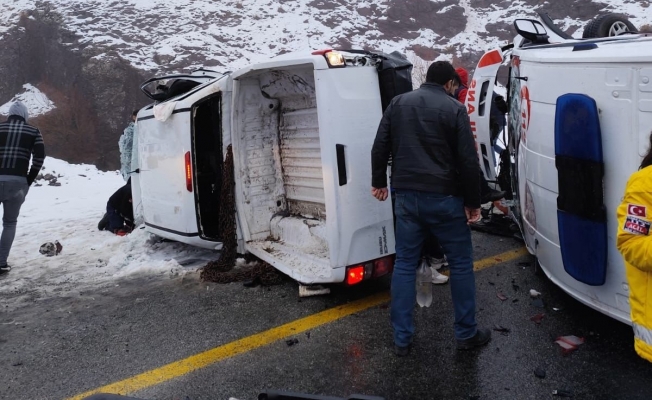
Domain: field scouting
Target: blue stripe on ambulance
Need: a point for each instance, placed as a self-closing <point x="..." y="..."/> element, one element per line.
<point x="581" y="213"/>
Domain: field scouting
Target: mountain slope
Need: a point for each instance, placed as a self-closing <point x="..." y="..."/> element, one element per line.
<point x="91" y="55"/>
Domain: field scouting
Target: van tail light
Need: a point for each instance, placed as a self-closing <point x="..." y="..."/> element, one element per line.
<point x="383" y="266"/>
<point x="188" y="172"/>
<point x="372" y="269"/>
<point x="354" y="275"/>
<point x="333" y="58"/>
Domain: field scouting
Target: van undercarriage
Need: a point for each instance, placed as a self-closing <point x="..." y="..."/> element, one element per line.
<point x="281" y="178"/>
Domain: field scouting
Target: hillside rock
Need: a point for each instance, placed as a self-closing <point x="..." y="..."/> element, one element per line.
<point x="94" y="96"/>
<point x="89" y="57"/>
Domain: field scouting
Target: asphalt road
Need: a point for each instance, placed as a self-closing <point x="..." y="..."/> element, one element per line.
<point x="60" y="347"/>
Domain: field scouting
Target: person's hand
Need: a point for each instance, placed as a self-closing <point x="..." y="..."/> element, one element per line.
<point x="473" y="215"/>
<point x="380" y="194"/>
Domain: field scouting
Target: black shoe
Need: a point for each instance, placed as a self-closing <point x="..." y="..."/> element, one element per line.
<point x="103" y="222"/>
<point x="493" y="195"/>
<point x="482" y="337"/>
<point x="4" y="269"/>
<point x="401" y="351"/>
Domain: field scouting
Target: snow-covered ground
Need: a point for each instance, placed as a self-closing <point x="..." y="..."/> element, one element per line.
<point x="36" y="101"/>
<point x="90" y="258"/>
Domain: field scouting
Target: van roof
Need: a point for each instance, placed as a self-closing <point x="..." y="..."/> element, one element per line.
<point x="634" y="49"/>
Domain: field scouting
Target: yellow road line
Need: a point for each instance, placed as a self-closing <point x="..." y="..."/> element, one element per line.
<point x="203" y="359"/>
<point x="495" y="260"/>
<point x="499" y="258"/>
<point x="212" y="356"/>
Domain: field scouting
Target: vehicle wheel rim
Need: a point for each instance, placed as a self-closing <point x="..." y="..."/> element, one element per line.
<point x="618" y="28"/>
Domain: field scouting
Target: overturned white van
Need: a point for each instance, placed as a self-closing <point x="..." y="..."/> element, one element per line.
<point x="579" y="121"/>
<point x="300" y="128"/>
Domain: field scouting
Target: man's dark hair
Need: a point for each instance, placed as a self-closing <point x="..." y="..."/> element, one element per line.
<point x="647" y="160"/>
<point x="457" y="79"/>
<point x="440" y="72"/>
<point x="134" y="113"/>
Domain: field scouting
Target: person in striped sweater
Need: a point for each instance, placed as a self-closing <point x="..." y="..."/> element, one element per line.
<point x="19" y="142"/>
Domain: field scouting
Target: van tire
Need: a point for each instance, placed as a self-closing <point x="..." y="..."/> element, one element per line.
<point x="607" y="25"/>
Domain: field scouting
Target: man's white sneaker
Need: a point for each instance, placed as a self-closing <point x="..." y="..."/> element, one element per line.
<point x="437" y="278"/>
<point x="436" y="263"/>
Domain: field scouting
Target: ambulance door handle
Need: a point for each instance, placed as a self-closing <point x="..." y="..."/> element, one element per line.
<point x="341" y="164"/>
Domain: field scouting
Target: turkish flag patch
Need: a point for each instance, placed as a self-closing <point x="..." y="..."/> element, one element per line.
<point x="636" y="210"/>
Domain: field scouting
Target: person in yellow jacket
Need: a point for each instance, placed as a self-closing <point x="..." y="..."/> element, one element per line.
<point x="635" y="244"/>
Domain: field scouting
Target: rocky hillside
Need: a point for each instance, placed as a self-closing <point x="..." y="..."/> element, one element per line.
<point x="89" y="56"/>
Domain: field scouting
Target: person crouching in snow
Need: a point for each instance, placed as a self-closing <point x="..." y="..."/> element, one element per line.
<point x="119" y="217"/>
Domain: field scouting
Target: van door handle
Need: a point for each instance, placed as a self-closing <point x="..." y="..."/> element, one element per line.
<point x="341" y="164"/>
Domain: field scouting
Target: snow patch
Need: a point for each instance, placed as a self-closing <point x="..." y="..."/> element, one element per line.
<point x="36" y="101"/>
<point x="90" y="258"/>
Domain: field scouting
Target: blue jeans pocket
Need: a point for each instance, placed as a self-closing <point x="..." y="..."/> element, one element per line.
<point x="399" y="202"/>
<point x="445" y="206"/>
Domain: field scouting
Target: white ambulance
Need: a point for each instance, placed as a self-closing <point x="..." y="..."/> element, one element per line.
<point x="301" y="128"/>
<point x="579" y="121"/>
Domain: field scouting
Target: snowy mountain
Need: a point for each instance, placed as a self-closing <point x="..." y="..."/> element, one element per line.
<point x="35" y="100"/>
<point x="89" y="57"/>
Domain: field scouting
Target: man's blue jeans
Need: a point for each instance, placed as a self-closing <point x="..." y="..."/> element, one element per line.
<point x="416" y="214"/>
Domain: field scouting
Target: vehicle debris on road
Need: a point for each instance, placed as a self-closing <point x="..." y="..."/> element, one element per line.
<point x="504" y="331"/>
<point x="538" y="303"/>
<point x="562" y="393"/>
<point x="537" y="318"/>
<point x="569" y="343"/>
<point x="50" y="249"/>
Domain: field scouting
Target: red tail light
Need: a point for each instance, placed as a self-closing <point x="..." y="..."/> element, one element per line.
<point x="334" y="59"/>
<point x="383" y="266"/>
<point x="188" y="173"/>
<point x="321" y="52"/>
<point x="354" y="275"/>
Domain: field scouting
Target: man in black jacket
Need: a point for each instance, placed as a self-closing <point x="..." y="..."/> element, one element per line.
<point x="18" y="143"/>
<point x="435" y="173"/>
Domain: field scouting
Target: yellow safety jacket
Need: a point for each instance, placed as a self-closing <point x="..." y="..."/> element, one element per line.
<point x="635" y="244"/>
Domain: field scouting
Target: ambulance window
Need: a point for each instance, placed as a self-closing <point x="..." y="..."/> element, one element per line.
<point x="514" y="119"/>
<point x="483" y="98"/>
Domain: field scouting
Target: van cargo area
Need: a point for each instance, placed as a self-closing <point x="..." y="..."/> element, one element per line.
<point x="280" y="187"/>
<point x="207" y="150"/>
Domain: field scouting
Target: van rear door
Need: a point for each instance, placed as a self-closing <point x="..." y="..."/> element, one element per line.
<point x="360" y="228"/>
<point x="180" y="166"/>
<point x="478" y="103"/>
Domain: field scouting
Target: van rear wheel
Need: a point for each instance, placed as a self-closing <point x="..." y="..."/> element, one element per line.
<point x="608" y="25"/>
